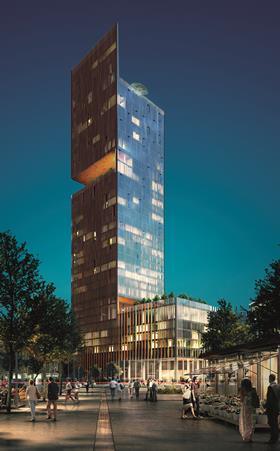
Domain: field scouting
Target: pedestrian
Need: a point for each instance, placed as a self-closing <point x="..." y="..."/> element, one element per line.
<point x="87" y="386"/>
<point x="131" y="388"/>
<point x="272" y="407"/>
<point x="148" y="390"/>
<point x="188" y="398"/>
<point x="154" y="390"/>
<point x="196" y="392"/>
<point x="137" y="386"/>
<point x="32" y="395"/>
<point x="119" y="389"/>
<point x="76" y="391"/>
<point x="68" y="394"/>
<point x="151" y="381"/>
<point x="247" y="418"/>
<point x="113" y="386"/>
<point x="53" y="390"/>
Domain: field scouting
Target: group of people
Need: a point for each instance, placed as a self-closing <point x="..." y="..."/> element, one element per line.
<point x="32" y="394"/>
<point x="152" y="390"/>
<point x="250" y="402"/>
<point x="191" y="392"/>
<point x="117" y="389"/>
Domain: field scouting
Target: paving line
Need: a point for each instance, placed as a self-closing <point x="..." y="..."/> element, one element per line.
<point x="104" y="435"/>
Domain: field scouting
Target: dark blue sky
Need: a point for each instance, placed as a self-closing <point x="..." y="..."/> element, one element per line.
<point x="213" y="66"/>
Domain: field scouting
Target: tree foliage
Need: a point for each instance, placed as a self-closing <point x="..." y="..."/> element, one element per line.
<point x="113" y="370"/>
<point x="226" y="328"/>
<point x="264" y="312"/>
<point x="21" y="288"/>
<point x="32" y="318"/>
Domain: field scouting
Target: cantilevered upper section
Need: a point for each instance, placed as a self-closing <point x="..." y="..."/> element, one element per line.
<point x="94" y="109"/>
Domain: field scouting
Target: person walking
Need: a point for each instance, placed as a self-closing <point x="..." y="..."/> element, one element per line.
<point x="53" y="391"/>
<point x="119" y="389"/>
<point x="272" y="407"/>
<point x="196" y="391"/>
<point x="68" y="394"/>
<point x="247" y="418"/>
<point x="188" y="400"/>
<point x="32" y="395"/>
<point x="87" y="386"/>
<point x="113" y="387"/>
<point x="154" y="390"/>
<point x="137" y="386"/>
<point x="76" y="386"/>
<point x="131" y="388"/>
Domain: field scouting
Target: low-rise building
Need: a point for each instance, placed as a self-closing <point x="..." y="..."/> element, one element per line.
<point x="160" y="339"/>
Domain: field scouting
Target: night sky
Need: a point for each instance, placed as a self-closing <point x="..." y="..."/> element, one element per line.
<point x="214" y="67"/>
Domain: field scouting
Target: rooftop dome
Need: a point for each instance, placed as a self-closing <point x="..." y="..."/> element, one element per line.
<point x="139" y="89"/>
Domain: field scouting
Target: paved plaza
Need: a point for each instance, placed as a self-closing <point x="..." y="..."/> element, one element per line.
<point x="96" y="424"/>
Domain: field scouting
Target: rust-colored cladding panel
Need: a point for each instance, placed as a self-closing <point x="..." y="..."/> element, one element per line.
<point x="94" y="208"/>
<point x="94" y="103"/>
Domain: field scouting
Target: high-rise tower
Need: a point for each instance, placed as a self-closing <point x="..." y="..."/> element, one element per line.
<point x="118" y="216"/>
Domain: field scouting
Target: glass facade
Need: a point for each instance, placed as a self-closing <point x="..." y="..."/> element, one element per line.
<point x="140" y="185"/>
<point x="162" y="339"/>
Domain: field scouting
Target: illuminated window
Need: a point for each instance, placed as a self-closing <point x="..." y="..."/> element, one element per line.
<point x="111" y="102"/>
<point x="95" y="139"/>
<point x="157" y="203"/>
<point x="89" y="122"/>
<point x="136" y="136"/>
<point x="121" y="241"/>
<point x="104" y="333"/>
<point x="126" y="170"/>
<point x="157" y="218"/>
<point x="112" y="240"/>
<point x="96" y="269"/>
<point x="89" y="97"/>
<point x="157" y="187"/>
<point x="125" y="158"/>
<point x="121" y="101"/>
<point x="135" y="121"/>
<point x="122" y="201"/>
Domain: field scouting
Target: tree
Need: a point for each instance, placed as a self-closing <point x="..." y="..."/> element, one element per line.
<point x="21" y="288"/>
<point x="264" y="312"/>
<point x="113" y="370"/>
<point x="225" y="328"/>
<point x="95" y="372"/>
<point x="57" y="336"/>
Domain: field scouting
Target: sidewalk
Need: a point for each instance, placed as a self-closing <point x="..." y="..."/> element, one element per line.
<point x="74" y="430"/>
<point x="145" y="426"/>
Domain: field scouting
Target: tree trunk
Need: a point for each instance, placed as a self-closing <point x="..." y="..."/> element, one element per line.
<point x="10" y="378"/>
